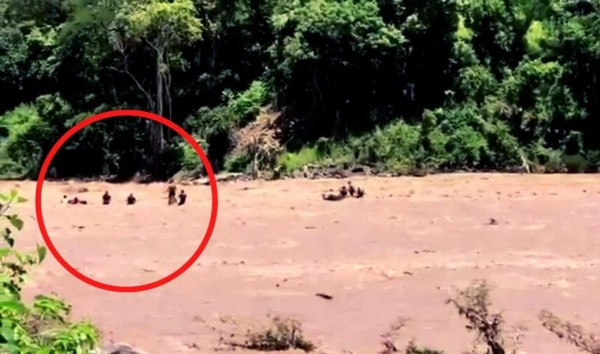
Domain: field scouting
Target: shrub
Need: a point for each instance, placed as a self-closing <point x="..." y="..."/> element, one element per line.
<point x="239" y="163"/>
<point x="290" y="162"/>
<point x="42" y="327"/>
<point x="413" y="349"/>
<point x="570" y="332"/>
<point x="246" y="105"/>
<point x="285" y="334"/>
<point x="391" y="336"/>
<point x="547" y="160"/>
<point x="473" y="304"/>
<point x="392" y="148"/>
<point x="190" y="161"/>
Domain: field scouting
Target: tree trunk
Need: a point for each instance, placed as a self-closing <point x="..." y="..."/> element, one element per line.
<point x="160" y="85"/>
<point x="156" y="129"/>
<point x="168" y="80"/>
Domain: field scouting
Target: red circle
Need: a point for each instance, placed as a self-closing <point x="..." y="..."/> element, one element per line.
<point x="137" y="114"/>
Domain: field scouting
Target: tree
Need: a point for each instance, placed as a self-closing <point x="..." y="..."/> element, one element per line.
<point x="161" y="27"/>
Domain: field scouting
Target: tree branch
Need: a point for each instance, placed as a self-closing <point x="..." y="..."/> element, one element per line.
<point x="168" y="80"/>
<point x="158" y="51"/>
<point x="128" y="73"/>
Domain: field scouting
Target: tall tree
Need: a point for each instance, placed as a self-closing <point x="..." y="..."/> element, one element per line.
<point x="160" y="27"/>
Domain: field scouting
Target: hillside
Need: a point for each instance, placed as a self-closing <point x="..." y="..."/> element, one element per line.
<point x="401" y="86"/>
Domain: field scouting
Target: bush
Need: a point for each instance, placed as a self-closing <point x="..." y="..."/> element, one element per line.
<point x="42" y="327"/>
<point x="246" y="105"/>
<point x="570" y="332"/>
<point x="189" y="159"/>
<point x="215" y="128"/>
<point x="286" y="334"/>
<point x="21" y="146"/>
<point x="479" y="137"/>
<point x="473" y="304"/>
<point x="593" y="159"/>
<point x="239" y="163"/>
<point x="392" y="148"/>
<point x="283" y="334"/>
<point x="575" y="163"/>
<point x="546" y="160"/>
<point x="290" y="162"/>
<point x="413" y="349"/>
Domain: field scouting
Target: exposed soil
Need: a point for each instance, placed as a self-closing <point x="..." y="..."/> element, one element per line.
<point x="399" y="251"/>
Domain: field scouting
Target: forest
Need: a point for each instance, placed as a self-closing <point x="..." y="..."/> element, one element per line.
<point x="396" y="85"/>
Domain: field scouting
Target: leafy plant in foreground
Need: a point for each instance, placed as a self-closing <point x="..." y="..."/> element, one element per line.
<point x="42" y="327"/>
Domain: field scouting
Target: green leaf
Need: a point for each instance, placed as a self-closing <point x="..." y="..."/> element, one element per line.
<point x="10" y="240"/>
<point x="4" y="197"/>
<point x="4" y="252"/>
<point x="43" y="351"/>
<point x="21" y="200"/>
<point x="41" y="251"/>
<point x="13" y="194"/>
<point x="14" y="348"/>
<point x="14" y="305"/>
<point x="7" y="333"/>
<point x="16" y="221"/>
<point x="11" y="347"/>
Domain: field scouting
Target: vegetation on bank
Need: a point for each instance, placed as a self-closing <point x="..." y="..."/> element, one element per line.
<point x="400" y="85"/>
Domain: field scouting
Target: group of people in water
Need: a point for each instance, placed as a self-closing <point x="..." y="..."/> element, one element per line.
<point x="344" y="192"/>
<point x="106" y="198"/>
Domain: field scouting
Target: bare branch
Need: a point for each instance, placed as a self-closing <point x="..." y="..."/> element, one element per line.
<point x="569" y="332"/>
<point x="137" y="83"/>
<point x="158" y="51"/>
<point x="473" y="304"/>
<point x="126" y="71"/>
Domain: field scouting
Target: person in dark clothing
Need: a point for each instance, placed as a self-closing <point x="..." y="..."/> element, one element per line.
<point x="106" y="198"/>
<point x="182" y="197"/>
<point x="172" y="198"/>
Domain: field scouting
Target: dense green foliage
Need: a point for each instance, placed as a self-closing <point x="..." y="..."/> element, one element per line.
<point x="399" y="84"/>
<point x="42" y="327"/>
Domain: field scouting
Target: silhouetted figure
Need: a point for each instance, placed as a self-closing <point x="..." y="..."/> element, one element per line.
<point x="360" y="192"/>
<point x="333" y="197"/>
<point x="76" y="201"/>
<point x="182" y="197"/>
<point x="131" y="199"/>
<point x="172" y="191"/>
<point x="351" y="189"/>
<point x="344" y="191"/>
<point x="106" y="198"/>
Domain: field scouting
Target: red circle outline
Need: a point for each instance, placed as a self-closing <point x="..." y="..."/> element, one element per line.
<point x="137" y="114"/>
